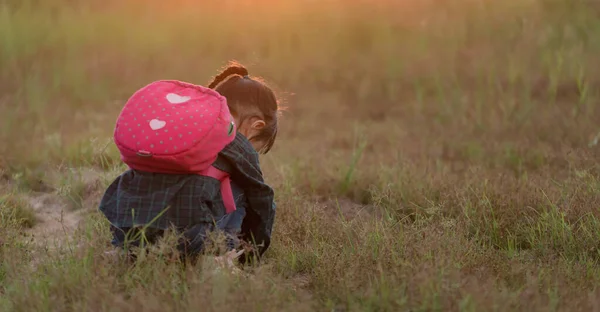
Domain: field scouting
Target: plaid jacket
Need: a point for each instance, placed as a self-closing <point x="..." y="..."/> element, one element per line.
<point x="163" y="200"/>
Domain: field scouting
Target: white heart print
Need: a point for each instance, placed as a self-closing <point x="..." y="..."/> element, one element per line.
<point x="176" y="98"/>
<point x="156" y="124"/>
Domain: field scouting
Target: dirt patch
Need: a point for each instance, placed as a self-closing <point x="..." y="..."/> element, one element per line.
<point x="55" y="219"/>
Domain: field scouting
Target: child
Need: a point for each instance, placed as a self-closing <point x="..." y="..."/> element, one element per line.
<point x="164" y="190"/>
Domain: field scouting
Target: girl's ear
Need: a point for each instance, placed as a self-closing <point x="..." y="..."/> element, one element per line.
<point x="258" y="124"/>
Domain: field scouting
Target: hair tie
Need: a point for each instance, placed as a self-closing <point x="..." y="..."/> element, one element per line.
<point x="246" y="77"/>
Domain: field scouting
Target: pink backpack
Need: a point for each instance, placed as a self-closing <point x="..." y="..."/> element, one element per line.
<point x="175" y="127"/>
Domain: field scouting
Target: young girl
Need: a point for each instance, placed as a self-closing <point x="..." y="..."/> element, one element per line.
<point x="154" y="199"/>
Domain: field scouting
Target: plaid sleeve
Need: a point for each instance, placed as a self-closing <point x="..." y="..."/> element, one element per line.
<point x="245" y="170"/>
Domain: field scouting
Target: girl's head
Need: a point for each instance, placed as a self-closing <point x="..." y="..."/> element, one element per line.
<point x="252" y="104"/>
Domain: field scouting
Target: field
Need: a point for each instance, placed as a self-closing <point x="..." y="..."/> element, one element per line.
<point x="433" y="155"/>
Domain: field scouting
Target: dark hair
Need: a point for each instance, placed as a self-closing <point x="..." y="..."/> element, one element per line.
<point x="244" y="93"/>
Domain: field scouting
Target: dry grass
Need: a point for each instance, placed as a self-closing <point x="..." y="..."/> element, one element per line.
<point x="435" y="156"/>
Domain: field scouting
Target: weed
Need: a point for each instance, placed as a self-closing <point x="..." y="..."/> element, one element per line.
<point x="15" y="211"/>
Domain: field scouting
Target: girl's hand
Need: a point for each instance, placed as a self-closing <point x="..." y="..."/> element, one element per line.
<point x="226" y="260"/>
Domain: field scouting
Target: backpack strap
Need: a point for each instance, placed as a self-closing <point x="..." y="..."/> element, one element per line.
<point x="226" y="190"/>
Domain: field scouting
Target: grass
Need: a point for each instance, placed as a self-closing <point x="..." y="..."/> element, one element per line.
<point x="435" y="155"/>
<point x="16" y="212"/>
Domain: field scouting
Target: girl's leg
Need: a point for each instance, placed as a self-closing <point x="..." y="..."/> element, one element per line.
<point x="194" y="238"/>
<point x="193" y="242"/>
<point x="232" y="223"/>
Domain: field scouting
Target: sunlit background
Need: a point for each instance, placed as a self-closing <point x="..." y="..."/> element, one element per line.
<point x="434" y="155"/>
